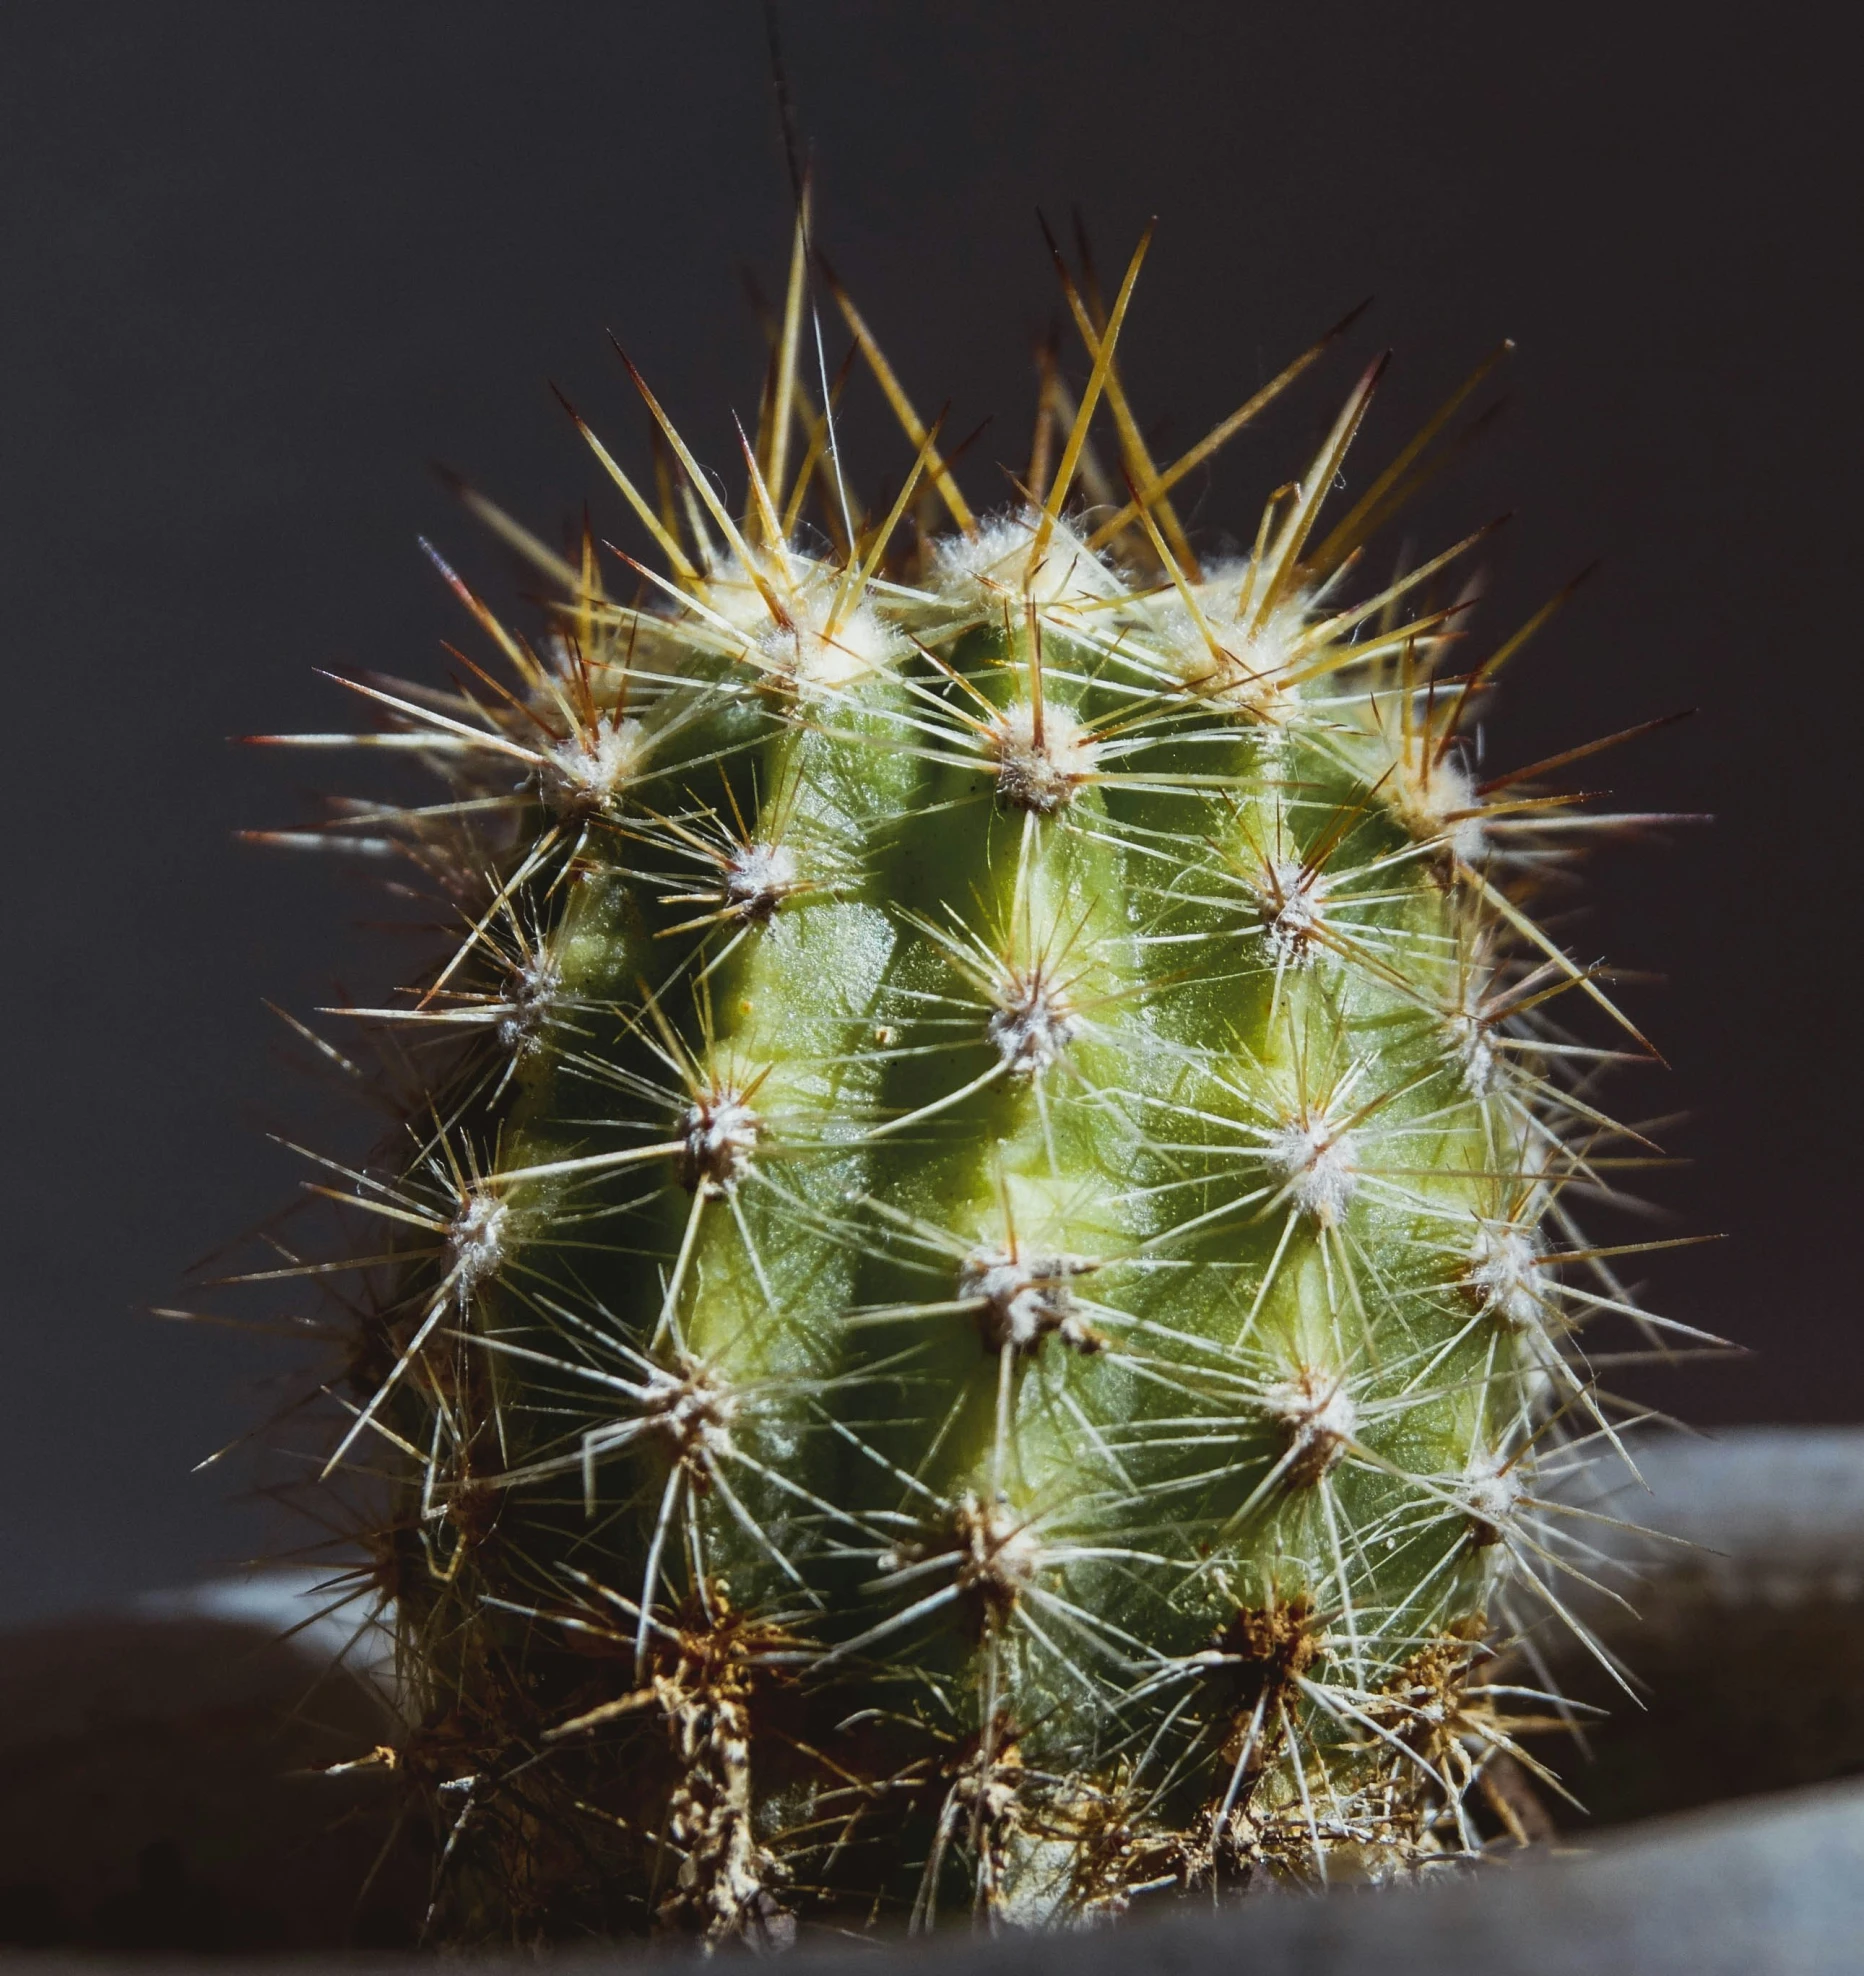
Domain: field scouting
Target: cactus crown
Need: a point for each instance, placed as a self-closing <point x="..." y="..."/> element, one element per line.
<point x="984" y="1261"/>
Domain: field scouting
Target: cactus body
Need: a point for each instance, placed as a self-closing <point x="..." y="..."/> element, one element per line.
<point x="974" y="1286"/>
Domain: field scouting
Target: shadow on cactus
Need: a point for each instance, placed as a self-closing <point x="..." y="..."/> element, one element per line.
<point x="981" y="1284"/>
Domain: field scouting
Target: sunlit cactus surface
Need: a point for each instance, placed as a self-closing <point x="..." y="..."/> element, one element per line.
<point x="980" y="1279"/>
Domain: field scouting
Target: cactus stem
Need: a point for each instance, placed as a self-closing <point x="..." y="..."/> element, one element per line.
<point x="996" y="1140"/>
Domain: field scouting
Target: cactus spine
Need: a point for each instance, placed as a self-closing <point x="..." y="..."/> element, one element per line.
<point x="975" y="1290"/>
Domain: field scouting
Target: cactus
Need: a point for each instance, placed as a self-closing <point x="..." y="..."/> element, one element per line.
<point x="982" y="1263"/>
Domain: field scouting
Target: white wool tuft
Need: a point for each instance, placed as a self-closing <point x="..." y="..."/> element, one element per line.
<point x="994" y="564"/>
<point x="1317" y="1163"/>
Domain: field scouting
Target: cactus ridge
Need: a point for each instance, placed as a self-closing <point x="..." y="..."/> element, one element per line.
<point x="983" y="1276"/>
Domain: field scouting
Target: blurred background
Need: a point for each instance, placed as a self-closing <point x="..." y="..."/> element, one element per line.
<point x="262" y="264"/>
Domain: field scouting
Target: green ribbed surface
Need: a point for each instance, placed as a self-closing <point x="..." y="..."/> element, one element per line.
<point x="974" y="1306"/>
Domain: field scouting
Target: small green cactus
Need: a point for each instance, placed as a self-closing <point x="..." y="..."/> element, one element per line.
<point x="966" y="1317"/>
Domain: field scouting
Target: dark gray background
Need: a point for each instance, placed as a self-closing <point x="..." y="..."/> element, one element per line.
<point x="260" y="262"/>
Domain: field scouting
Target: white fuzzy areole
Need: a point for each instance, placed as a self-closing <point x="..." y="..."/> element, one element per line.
<point x="720" y="1131"/>
<point x="1472" y="1044"/>
<point x="477" y="1239"/>
<point x="1317" y="1163"/>
<point x="1253" y="667"/>
<point x="1291" y="899"/>
<point x="1506" y="1272"/>
<point x="808" y="643"/>
<point x="1026" y="1299"/>
<point x="531" y="990"/>
<point x="1320" y="1418"/>
<point x="1039" y="772"/>
<point x="810" y="655"/>
<point x="758" y="877"/>
<point x="694" y="1411"/>
<point x="997" y="1550"/>
<point x="1033" y="1022"/>
<point x="1432" y="799"/>
<point x="1492" y="1488"/>
<point x="587" y="771"/>
<point x="993" y="564"/>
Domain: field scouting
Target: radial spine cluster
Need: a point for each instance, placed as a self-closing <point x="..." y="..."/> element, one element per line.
<point x="982" y="1279"/>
